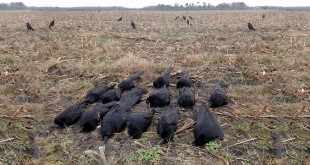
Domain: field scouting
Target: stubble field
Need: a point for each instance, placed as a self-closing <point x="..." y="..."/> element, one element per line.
<point x="267" y="77"/>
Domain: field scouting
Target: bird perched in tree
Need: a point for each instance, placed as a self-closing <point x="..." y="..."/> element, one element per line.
<point x="184" y="17"/>
<point x="190" y="17"/>
<point x="218" y="97"/>
<point x="163" y="80"/>
<point x="251" y="27"/>
<point x="71" y="115"/>
<point x="138" y="123"/>
<point x="186" y="97"/>
<point x="120" y="19"/>
<point x="184" y="81"/>
<point x="51" y="25"/>
<point x="133" y="25"/>
<point x="29" y="27"/>
<point x="176" y="18"/>
<point x="168" y="123"/>
<point x="159" y="98"/>
<point x="207" y="127"/>
<point x="129" y="82"/>
<point x="263" y="16"/>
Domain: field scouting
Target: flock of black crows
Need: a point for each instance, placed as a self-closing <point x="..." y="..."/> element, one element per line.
<point x="133" y="25"/>
<point x="50" y="26"/>
<point x="113" y="109"/>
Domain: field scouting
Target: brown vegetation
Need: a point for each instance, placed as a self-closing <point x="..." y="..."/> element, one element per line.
<point x="267" y="73"/>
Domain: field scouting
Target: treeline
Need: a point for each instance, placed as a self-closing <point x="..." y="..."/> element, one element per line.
<point x="13" y="6"/>
<point x="186" y="6"/>
<point x="200" y="6"/>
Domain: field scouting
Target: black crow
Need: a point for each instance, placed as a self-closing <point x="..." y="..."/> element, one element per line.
<point x="251" y="27"/>
<point x="184" y="81"/>
<point x="132" y="97"/>
<point x="94" y="94"/>
<point x="263" y="16"/>
<point x="163" y="80"/>
<point x="177" y="17"/>
<point x="188" y="22"/>
<point x="186" y="97"/>
<point x="91" y="119"/>
<point x="159" y="98"/>
<point x="129" y="82"/>
<point x="51" y="25"/>
<point x="184" y="18"/>
<point x="71" y="115"/>
<point x="207" y="127"/>
<point x="168" y="123"/>
<point x="218" y="97"/>
<point x="133" y="25"/>
<point x="113" y="122"/>
<point x="138" y="123"/>
<point x="190" y="17"/>
<point x="29" y="27"/>
<point x="110" y="95"/>
<point x="120" y="19"/>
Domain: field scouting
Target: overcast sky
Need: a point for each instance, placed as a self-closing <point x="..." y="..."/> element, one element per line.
<point x="142" y="3"/>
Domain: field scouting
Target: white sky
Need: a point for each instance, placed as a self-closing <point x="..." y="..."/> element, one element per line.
<point x="142" y="3"/>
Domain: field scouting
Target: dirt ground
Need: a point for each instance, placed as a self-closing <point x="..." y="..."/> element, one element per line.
<point x="267" y="77"/>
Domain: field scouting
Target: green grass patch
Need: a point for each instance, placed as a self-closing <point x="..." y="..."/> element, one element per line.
<point x="213" y="146"/>
<point x="152" y="154"/>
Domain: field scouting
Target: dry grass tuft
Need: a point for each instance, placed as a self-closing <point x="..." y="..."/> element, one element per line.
<point x="130" y="63"/>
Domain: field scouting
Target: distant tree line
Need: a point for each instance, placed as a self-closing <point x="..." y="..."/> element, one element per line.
<point x="12" y="6"/>
<point x="200" y="6"/>
<point x="186" y="6"/>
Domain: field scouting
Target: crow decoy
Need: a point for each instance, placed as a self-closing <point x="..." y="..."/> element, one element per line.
<point x="94" y="94"/>
<point x="163" y="80"/>
<point x="218" y="97"/>
<point x="186" y="98"/>
<point x="168" y="123"/>
<point x="113" y="122"/>
<point x="207" y="127"/>
<point x="91" y="119"/>
<point x="129" y="82"/>
<point x="71" y="115"/>
<point x="184" y="81"/>
<point x="138" y="123"/>
<point x="159" y="98"/>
